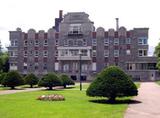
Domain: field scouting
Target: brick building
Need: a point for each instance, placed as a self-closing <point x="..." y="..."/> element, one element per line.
<point x="59" y="49"/>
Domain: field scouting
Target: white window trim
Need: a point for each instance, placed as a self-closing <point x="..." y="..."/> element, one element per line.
<point x="116" y="53"/>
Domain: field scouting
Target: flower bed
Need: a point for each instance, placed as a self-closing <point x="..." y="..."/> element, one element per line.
<point x="54" y="97"/>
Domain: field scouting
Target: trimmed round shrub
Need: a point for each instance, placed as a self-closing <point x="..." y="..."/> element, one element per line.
<point x="54" y="97"/>
<point x="31" y="79"/>
<point x="112" y="82"/>
<point x="66" y="80"/>
<point x="50" y="80"/>
<point x="12" y="79"/>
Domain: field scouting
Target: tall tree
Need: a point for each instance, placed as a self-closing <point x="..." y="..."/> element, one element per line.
<point x="157" y="53"/>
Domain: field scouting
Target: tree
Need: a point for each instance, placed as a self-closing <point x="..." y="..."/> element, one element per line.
<point x="50" y="80"/>
<point x="2" y="75"/>
<point x="157" y="53"/>
<point x="12" y="79"/>
<point x="4" y="62"/>
<point x="112" y="82"/>
<point x="66" y="80"/>
<point x="31" y="79"/>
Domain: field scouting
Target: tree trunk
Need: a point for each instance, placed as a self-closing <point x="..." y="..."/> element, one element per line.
<point x="31" y="86"/>
<point x="112" y="99"/>
<point x="12" y="87"/>
<point x="50" y="87"/>
<point x="64" y="85"/>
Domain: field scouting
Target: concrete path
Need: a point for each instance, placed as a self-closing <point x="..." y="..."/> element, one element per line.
<point x="149" y="96"/>
<point x="3" y="92"/>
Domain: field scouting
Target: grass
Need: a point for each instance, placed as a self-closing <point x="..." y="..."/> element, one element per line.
<point x="76" y="105"/>
<point x="158" y="82"/>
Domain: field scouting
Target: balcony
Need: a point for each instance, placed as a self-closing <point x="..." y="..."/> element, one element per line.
<point x="73" y="58"/>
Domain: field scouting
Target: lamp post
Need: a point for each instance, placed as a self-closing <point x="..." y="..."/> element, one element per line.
<point x="80" y="81"/>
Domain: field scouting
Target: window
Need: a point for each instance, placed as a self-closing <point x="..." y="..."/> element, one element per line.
<point x="74" y="52"/>
<point x="128" y="52"/>
<point x="84" y="67"/>
<point x="142" y="41"/>
<point x="36" y="66"/>
<point x="106" y="53"/>
<point x="13" y="53"/>
<point x="142" y="53"/>
<point x="64" y="53"/>
<point x="45" y="53"/>
<point x="36" y="43"/>
<point x="66" y="67"/>
<point x="106" y="41"/>
<point x="128" y="40"/>
<point x="94" y="53"/>
<point x="36" y="53"/>
<point x="66" y="42"/>
<point x="56" y="43"/>
<point x="116" y="53"/>
<point x="25" y="43"/>
<point x="94" y="42"/>
<point x="84" y="42"/>
<point x="131" y="66"/>
<point x="75" y="28"/>
<point x="56" y="53"/>
<point x="14" y="43"/>
<point x="25" y="53"/>
<point x="116" y="41"/>
<point x="84" y="52"/>
<point x="45" y="66"/>
<point x="45" y="43"/>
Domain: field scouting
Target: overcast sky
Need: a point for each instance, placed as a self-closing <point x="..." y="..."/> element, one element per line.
<point x="40" y="14"/>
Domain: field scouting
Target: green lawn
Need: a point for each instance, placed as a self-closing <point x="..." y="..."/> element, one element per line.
<point x="76" y="105"/>
<point x="158" y="82"/>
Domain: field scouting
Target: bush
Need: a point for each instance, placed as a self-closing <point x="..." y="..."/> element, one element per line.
<point x="66" y="81"/>
<point x="50" y="80"/>
<point x="12" y="79"/>
<point x="31" y="79"/>
<point x="2" y="75"/>
<point x="112" y="82"/>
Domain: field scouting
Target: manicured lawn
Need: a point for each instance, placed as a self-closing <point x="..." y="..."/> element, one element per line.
<point x="158" y="82"/>
<point x="76" y="105"/>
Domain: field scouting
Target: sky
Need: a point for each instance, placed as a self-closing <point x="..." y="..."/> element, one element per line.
<point x="40" y="15"/>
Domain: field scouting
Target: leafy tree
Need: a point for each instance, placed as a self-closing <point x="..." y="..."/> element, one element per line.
<point x="2" y="75"/>
<point x="157" y="53"/>
<point x="31" y="79"/>
<point x="50" y="80"/>
<point x="12" y="79"/>
<point x="112" y="82"/>
<point x="66" y="80"/>
<point x="4" y="62"/>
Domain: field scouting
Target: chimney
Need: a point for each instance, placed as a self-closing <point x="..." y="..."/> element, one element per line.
<point x="60" y="13"/>
<point x="117" y="24"/>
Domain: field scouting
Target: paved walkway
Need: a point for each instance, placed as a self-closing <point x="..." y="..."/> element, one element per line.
<point x="149" y="96"/>
<point x="3" y="92"/>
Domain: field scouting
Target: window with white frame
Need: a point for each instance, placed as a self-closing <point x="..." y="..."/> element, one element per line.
<point x="106" y="53"/>
<point x="128" y="40"/>
<point x="94" y="42"/>
<point x="128" y="52"/>
<point x="36" y="53"/>
<point x="36" y="43"/>
<point x="75" y="28"/>
<point x="64" y="53"/>
<point x="84" y="42"/>
<point x="106" y="41"/>
<point x="94" y="53"/>
<point x="142" y="52"/>
<point x="116" y="41"/>
<point x="45" y="53"/>
<point x="84" y="52"/>
<point x="13" y="53"/>
<point x="142" y="41"/>
<point x="84" y="67"/>
<point x="25" y="53"/>
<point x="66" y="67"/>
<point x="66" y="42"/>
<point x="14" y="42"/>
<point x="116" y="53"/>
<point x="45" y="43"/>
<point x="131" y="66"/>
<point x="56" y="53"/>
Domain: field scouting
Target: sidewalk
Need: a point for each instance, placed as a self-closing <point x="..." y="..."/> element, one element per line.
<point x="149" y="96"/>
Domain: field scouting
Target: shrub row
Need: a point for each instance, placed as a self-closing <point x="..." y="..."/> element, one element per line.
<point x="13" y="78"/>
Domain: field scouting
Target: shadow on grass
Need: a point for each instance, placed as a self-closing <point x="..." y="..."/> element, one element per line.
<point x="126" y="101"/>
